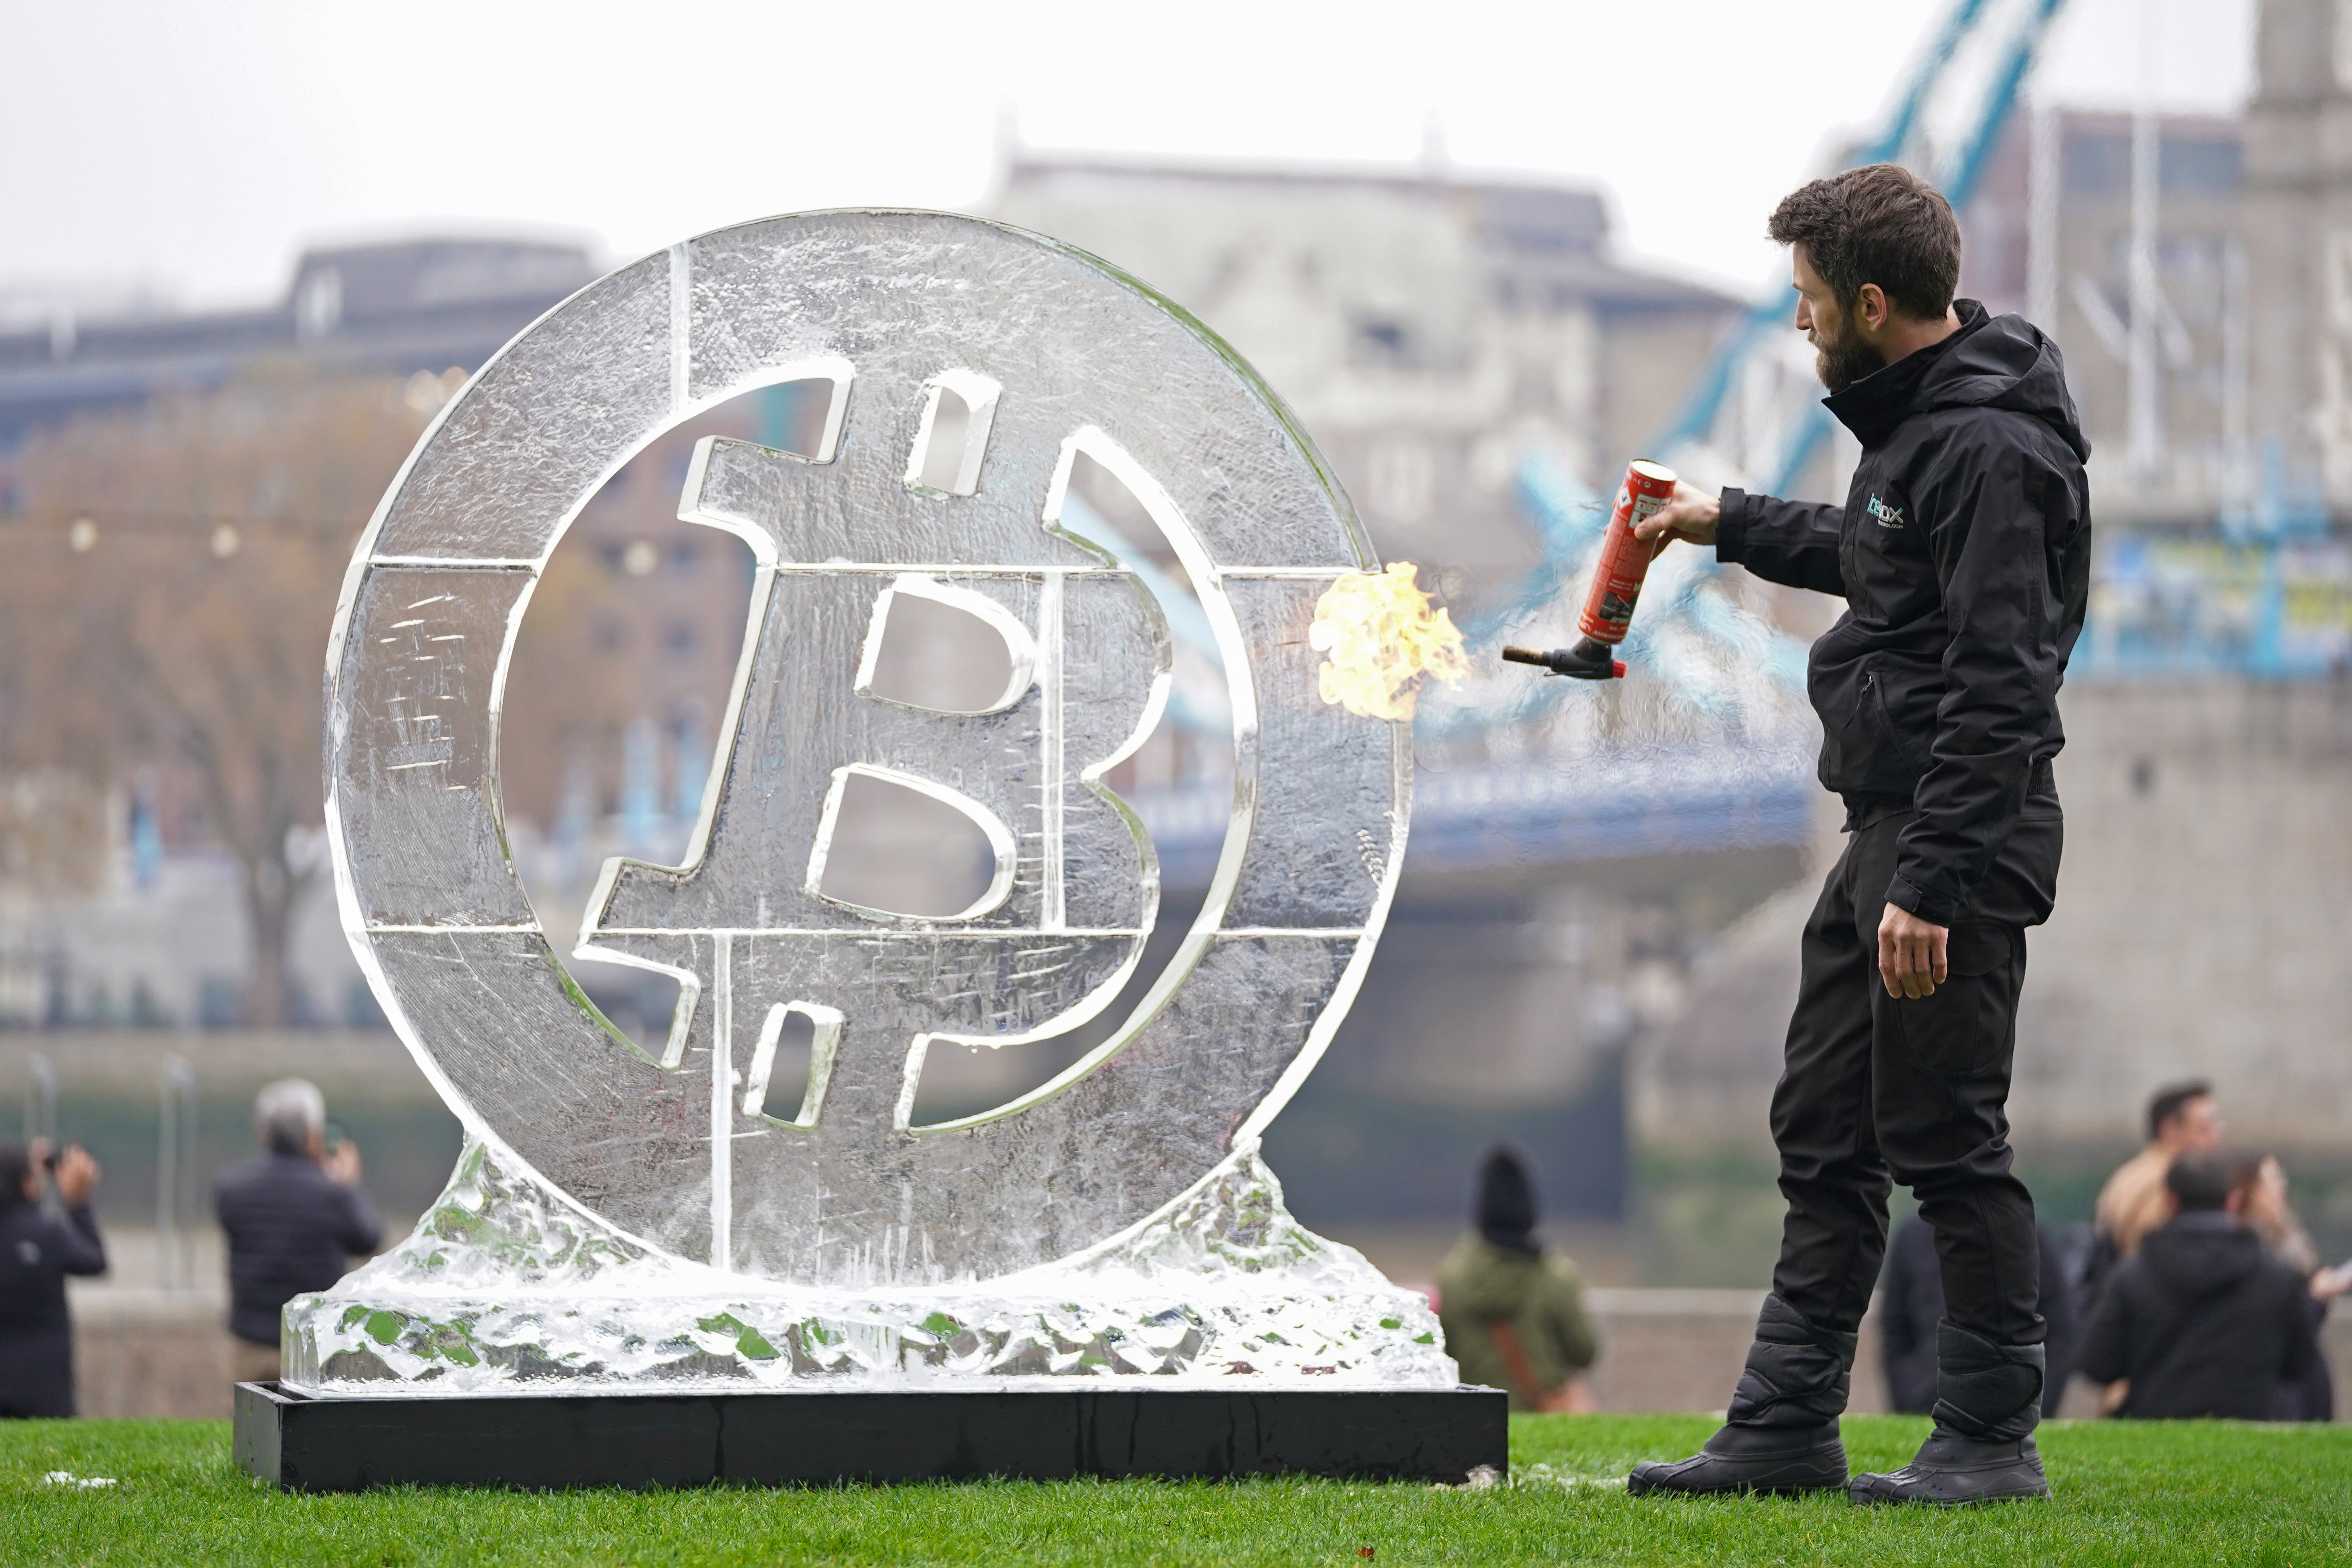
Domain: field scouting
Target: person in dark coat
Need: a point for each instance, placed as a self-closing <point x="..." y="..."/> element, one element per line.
<point x="2258" y="1188"/>
<point x="2201" y="1321"/>
<point x="37" y="1250"/>
<point x="295" y="1217"/>
<point x="1963" y="555"/>
<point x="1911" y="1293"/>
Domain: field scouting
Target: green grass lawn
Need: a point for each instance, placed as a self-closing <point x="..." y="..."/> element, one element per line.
<point x="2188" y="1493"/>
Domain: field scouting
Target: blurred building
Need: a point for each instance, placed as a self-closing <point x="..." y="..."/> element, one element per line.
<point x="2298" y="199"/>
<point x="1429" y="327"/>
<point x="117" y="905"/>
<point x="401" y="307"/>
<point x="2052" y="235"/>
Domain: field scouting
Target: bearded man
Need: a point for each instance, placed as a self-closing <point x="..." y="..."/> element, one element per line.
<point x="1963" y="555"/>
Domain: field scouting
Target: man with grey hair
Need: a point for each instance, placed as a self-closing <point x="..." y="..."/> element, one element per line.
<point x="294" y="1219"/>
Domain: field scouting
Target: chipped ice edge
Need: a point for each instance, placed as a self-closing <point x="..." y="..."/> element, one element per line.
<point x="506" y="1288"/>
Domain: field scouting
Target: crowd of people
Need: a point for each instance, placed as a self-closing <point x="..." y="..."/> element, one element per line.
<point x="294" y="1216"/>
<point x="2193" y="1292"/>
<point x="2196" y="1294"/>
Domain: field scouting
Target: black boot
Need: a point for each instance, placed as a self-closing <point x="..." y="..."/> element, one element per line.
<point x="1988" y="1402"/>
<point x="1781" y="1434"/>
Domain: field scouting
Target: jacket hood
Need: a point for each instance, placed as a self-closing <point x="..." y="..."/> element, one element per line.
<point x="2200" y="1254"/>
<point x="1992" y="362"/>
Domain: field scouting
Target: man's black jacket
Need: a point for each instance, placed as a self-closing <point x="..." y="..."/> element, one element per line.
<point x="37" y="1252"/>
<point x="1963" y="552"/>
<point x="2203" y="1322"/>
<point x="291" y="1228"/>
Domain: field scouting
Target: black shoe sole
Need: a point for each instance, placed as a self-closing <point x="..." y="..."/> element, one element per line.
<point x="1873" y="1498"/>
<point x="1637" y="1487"/>
<point x="1813" y="1489"/>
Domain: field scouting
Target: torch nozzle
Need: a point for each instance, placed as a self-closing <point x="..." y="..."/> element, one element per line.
<point x="1589" y="660"/>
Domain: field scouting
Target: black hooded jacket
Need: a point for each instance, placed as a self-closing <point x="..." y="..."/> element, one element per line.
<point x="291" y="1228"/>
<point x="2202" y="1321"/>
<point x="1963" y="552"/>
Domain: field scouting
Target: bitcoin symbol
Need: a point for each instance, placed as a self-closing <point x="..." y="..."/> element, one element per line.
<point x="700" y="1149"/>
<point x="1071" y="893"/>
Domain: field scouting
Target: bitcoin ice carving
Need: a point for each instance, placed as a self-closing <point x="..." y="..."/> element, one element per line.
<point x="693" y="1154"/>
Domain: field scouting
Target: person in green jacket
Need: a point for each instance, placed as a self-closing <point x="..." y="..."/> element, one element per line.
<point x="1514" y="1313"/>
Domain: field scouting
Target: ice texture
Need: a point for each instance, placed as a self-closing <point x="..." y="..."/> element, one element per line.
<point x="615" y="1202"/>
<point x="504" y="1289"/>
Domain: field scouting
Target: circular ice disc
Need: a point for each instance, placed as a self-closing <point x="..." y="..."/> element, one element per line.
<point x="702" y="1149"/>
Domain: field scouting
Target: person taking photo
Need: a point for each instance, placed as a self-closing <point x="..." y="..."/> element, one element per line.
<point x="37" y="1250"/>
<point x="295" y="1216"/>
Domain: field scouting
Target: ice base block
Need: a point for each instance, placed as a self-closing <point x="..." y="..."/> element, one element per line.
<point x="505" y="1289"/>
<point x="814" y="1440"/>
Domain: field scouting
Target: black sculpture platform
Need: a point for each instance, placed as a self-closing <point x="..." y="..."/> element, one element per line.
<point x="777" y="1439"/>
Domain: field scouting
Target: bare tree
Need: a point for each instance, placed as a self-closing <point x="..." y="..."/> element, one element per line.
<point x="174" y="573"/>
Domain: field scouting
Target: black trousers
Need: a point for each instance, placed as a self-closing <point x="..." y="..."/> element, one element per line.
<point x="1876" y="1090"/>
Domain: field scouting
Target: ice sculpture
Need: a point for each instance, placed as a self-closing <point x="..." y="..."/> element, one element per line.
<point x="629" y="1219"/>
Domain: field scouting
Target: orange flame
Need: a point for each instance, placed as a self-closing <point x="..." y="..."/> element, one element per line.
<point x="1383" y="638"/>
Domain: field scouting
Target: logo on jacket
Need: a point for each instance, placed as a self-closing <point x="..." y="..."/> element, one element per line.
<point x="1888" y="516"/>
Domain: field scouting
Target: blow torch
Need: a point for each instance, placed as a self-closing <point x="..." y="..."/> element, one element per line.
<point x="1616" y="581"/>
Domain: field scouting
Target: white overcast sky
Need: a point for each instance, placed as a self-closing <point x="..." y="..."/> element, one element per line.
<point x="195" y="145"/>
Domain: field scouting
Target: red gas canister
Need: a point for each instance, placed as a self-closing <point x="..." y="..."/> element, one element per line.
<point x="1616" y="580"/>
<point x="1624" y="559"/>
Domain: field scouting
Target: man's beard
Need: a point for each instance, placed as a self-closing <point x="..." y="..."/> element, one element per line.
<point x="1843" y="357"/>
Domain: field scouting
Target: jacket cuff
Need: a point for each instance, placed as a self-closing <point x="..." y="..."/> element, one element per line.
<point x="1906" y="894"/>
<point x="1731" y="527"/>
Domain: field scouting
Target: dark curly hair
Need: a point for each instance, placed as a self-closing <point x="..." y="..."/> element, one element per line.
<point x="2171" y="1101"/>
<point x="1879" y="224"/>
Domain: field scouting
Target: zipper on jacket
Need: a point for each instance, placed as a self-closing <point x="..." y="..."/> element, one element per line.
<point x="1876" y="716"/>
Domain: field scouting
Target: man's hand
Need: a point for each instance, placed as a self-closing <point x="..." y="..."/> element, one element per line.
<point x="78" y="1175"/>
<point x="1690" y="515"/>
<point x="1911" y="953"/>
<point x="342" y="1164"/>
